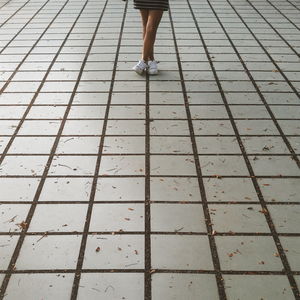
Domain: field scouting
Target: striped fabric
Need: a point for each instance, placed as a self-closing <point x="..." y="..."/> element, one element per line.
<point x="151" y="4"/>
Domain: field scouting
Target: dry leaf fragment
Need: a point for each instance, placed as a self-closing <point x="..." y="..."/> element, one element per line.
<point x="22" y="225"/>
<point x="98" y="249"/>
<point x="263" y="211"/>
<point x="276" y="254"/>
<point x="152" y="271"/>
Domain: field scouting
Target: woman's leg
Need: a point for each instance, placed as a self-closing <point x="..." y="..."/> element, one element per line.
<point x="144" y="14"/>
<point x="151" y="20"/>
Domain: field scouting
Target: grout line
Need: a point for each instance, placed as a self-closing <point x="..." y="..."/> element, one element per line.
<point x="208" y="223"/>
<point x="95" y="178"/>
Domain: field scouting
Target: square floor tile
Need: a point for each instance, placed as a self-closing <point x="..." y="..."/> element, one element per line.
<point x="78" y="144"/>
<point x="128" y="98"/>
<point x="180" y="252"/>
<point x="166" y="127"/>
<point x="12" y="215"/>
<point x="285" y="217"/>
<point x="23" y="165"/>
<point x="274" y="165"/>
<point x="212" y="127"/>
<point x="108" y="286"/>
<point x="120" y="189"/>
<point x="171" y="145"/>
<point x="83" y="127"/>
<point x="90" y="98"/>
<point x="164" y="165"/>
<point x="204" y="98"/>
<point x="223" y="165"/>
<point x="291" y="246"/>
<point x="175" y="189"/>
<point x="124" y="144"/>
<point x="243" y="98"/>
<point x="53" y="98"/>
<point x="221" y="145"/>
<point x="25" y="191"/>
<point x="177" y="218"/>
<point x="167" y="112"/>
<point x="208" y="112"/>
<point x="229" y="189"/>
<point x="32" y="145"/>
<point x="7" y="245"/>
<point x="115" y="217"/>
<point x="46" y="112"/>
<point x="256" y="127"/>
<point x="280" y="189"/>
<point x="248" y="253"/>
<point x="73" y="165"/>
<point x="116" y="252"/>
<point x="184" y="286"/>
<point x="238" y="218"/>
<point x="87" y="112"/>
<point x="126" y="112"/>
<point x="58" y="217"/>
<point x="248" y="287"/>
<point x="49" y="252"/>
<point x="66" y="189"/>
<point x="37" y="286"/>
<point x="265" y="145"/>
<point x="122" y="165"/>
<point x="247" y="111"/>
<point x="166" y="98"/>
<point x="43" y="127"/>
<point x="125" y="127"/>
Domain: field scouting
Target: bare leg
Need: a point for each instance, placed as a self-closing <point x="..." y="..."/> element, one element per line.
<point x="151" y="19"/>
<point x="144" y="14"/>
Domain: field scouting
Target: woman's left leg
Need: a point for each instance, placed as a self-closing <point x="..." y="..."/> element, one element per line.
<point x="153" y="21"/>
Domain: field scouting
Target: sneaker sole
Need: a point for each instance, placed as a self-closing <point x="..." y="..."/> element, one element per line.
<point x="140" y="72"/>
<point x="155" y="73"/>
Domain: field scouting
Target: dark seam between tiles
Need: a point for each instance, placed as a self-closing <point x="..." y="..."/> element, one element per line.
<point x="97" y="168"/>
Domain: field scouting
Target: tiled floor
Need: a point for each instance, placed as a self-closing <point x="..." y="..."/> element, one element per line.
<point x="181" y="186"/>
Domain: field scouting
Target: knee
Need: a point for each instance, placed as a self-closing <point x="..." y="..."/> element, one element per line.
<point x="151" y="29"/>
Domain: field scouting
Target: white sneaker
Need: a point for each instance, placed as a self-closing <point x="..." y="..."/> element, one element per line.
<point x="152" y="67"/>
<point x="140" y="67"/>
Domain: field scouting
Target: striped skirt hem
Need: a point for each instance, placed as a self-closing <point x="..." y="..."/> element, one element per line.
<point x="151" y="4"/>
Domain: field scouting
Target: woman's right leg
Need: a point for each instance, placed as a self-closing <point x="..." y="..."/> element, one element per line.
<point x="144" y="14"/>
<point x="151" y="20"/>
